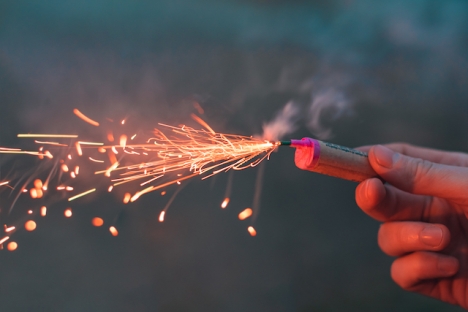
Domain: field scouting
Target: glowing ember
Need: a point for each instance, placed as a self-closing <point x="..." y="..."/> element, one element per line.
<point x="113" y="231"/>
<point x="225" y="203"/>
<point x="43" y="211"/>
<point x="68" y="212"/>
<point x="30" y="225"/>
<point x="161" y="216"/>
<point x="163" y="193"/>
<point x="252" y="231"/>
<point x="97" y="221"/>
<point x="30" y="212"/>
<point x="64" y="168"/>
<point x="245" y="214"/>
<point x="4" y="239"/>
<point x="12" y="246"/>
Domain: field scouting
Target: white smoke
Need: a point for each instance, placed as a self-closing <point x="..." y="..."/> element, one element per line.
<point x="283" y="124"/>
<point x="327" y="105"/>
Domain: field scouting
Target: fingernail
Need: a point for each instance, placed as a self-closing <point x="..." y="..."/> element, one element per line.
<point x="448" y="265"/>
<point x="431" y="236"/>
<point x="384" y="156"/>
<point x="366" y="189"/>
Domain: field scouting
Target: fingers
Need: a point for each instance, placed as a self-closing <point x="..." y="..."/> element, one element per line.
<point x="433" y="155"/>
<point x="387" y="203"/>
<point x="419" y="176"/>
<point x="410" y="270"/>
<point x="399" y="238"/>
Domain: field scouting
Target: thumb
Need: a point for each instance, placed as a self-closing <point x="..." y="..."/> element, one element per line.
<point x="420" y="176"/>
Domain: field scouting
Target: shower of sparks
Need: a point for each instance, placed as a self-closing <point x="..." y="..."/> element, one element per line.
<point x="139" y="165"/>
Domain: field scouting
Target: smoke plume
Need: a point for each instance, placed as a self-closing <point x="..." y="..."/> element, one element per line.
<point x="283" y="124"/>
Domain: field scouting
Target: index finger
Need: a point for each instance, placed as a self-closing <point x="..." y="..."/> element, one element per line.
<point x="433" y="155"/>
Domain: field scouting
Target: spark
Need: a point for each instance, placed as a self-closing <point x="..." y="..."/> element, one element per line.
<point x="97" y="221"/>
<point x="64" y="168"/>
<point x="68" y="212"/>
<point x="50" y="143"/>
<point x="91" y="143"/>
<point x="38" y="183"/>
<point x="246" y="213"/>
<point x="78" y="148"/>
<point x="225" y="202"/>
<point x="4" y="239"/>
<point x="9" y="229"/>
<point x="113" y="231"/>
<point x="123" y="140"/>
<point x="111" y="168"/>
<point x="110" y="136"/>
<point x="96" y="160"/>
<point x="85" y="118"/>
<point x="82" y="194"/>
<point x="4" y="183"/>
<point x="43" y="211"/>
<point x="133" y="136"/>
<point x="161" y="216"/>
<point x="252" y="231"/>
<point x="28" y="135"/>
<point x="12" y="246"/>
<point x="127" y="198"/>
<point x="203" y="123"/>
<point x="30" y="225"/>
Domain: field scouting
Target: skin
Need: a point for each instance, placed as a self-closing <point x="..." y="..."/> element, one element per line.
<point x="424" y="209"/>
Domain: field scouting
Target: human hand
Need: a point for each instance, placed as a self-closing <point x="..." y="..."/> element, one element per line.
<point x="424" y="208"/>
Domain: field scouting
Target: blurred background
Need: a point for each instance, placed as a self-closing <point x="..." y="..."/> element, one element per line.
<point x="362" y="72"/>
